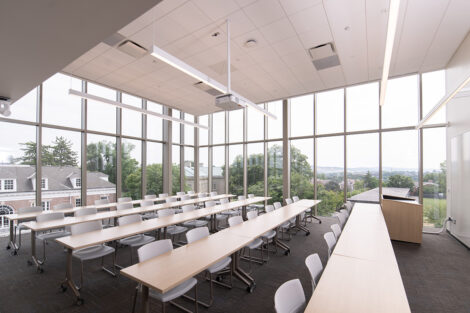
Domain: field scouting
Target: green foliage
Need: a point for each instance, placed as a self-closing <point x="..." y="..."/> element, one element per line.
<point x="434" y="211"/>
<point x="370" y="182"/>
<point x="332" y="186"/>
<point x="101" y="157"/>
<point x="60" y="153"/>
<point x="154" y="179"/>
<point x="400" y="181"/>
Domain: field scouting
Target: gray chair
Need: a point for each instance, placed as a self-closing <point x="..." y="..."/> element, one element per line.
<point x="336" y="230"/>
<point x="20" y="226"/>
<point x="190" y="192"/>
<point x="290" y="297"/>
<point x="124" y="199"/>
<point x="174" y="230"/>
<point x="213" y="194"/>
<point x="220" y="218"/>
<point x="255" y="244"/>
<point x="295" y="198"/>
<point x="62" y="206"/>
<point x="330" y="241"/>
<point x="47" y="236"/>
<point x="85" y="211"/>
<point x="108" y="222"/>
<point x="268" y="237"/>
<point x="193" y="223"/>
<point x="150" y="197"/>
<point x="342" y="219"/>
<point x="180" y="193"/>
<point x="315" y="268"/>
<point x="148" y="215"/>
<point x="162" y="195"/>
<point x="133" y="241"/>
<point x="124" y="206"/>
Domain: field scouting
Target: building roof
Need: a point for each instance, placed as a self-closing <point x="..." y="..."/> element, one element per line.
<point x="373" y="194"/>
<point x="58" y="178"/>
<point x="203" y="171"/>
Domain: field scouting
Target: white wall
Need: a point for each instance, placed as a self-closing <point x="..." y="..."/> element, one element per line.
<point x="458" y="144"/>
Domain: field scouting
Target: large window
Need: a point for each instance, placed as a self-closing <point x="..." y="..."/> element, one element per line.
<point x="275" y="125"/>
<point x="154" y="124"/>
<point x="97" y="110"/>
<point x="301" y="116"/>
<point x="434" y="89"/>
<point x="176" y="127"/>
<point x="131" y="120"/>
<point x="188" y="130"/>
<point x="235" y="178"/>
<point x="362" y="107"/>
<point x="203" y="170"/>
<point x="363" y="167"/>
<point x="330" y="173"/>
<point x="218" y="127"/>
<point x="255" y="124"/>
<point x="235" y="125"/>
<point x="131" y="156"/>
<point x="401" y="102"/>
<point x="255" y="168"/>
<point x="219" y="169"/>
<point x="301" y="168"/>
<point x="189" y="169"/>
<point x="203" y="133"/>
<point x="176" y="169"/>
<point x="154" y="168"/>
<point x="25" y="108"/>
<point x="330" y="112"/>
<point x="275" y="167"/>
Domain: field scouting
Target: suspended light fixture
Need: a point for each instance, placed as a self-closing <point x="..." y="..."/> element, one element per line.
<point x="88" y="96"/>
<point x="391" y="31"/>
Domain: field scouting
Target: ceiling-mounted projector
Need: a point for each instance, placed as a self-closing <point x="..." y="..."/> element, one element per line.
<point x="5" y="104"/>
<point x="229" y="102"/>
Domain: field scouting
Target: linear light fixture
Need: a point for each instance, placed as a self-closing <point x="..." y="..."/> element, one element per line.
<point x="88" y="96"/>
<point x="191" y="71"/>
<point x="391" y="31"/>
<point x="442" y="103"/>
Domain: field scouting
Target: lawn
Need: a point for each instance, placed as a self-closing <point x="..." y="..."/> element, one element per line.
<point x="434" y="211"/>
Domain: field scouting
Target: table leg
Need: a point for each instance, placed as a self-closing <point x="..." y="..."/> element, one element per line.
<point x="244" y="213"/>
<point x="145" y="299"/>
<point x="301" y="227"/>
<point x="239" y="273"/>
<point x="34" y="260"/>
<point x="68" y="282"/>
<point x="12" y="243"/>
<point x="281" y="244"/>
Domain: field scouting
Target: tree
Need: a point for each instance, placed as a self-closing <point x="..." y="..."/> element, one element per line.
<point x="370" y="182"/>
<point x="101" y="157"/>
<point x="154" y="179"/>
<point x="332" y="186"/>
<point x="60" y="153"/>
<point x="400" y="181"/>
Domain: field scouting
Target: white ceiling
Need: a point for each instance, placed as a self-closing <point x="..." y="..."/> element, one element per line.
<point x="428" y="34"/>
<point x="38" y="38"/>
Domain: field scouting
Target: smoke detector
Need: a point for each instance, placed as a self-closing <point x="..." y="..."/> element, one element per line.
<point x="324" y="56"/>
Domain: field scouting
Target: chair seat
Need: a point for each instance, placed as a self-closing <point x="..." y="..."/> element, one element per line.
<point x="52" y="235"/>
<point x="219" y="265"/>
<point x="269" y="234"/>
<point x="136" y="241"/>
<point x="176" y="229"/>
<point x="255" y="244"/>
<point x="93" y="252"/>
<point x="220" y="217"/>
<point x="195" y="223"/>
<point x="178" y="211"/>
<point x="230" y="212"/>
<point x="175" y="292"/>
<point x="149" y="215"/>
<point x="286" y="225"/>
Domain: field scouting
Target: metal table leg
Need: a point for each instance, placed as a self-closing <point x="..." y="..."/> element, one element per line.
<point x="244" y="213"/>
<point x="239" y="273"/>
<point x="68" y="282"/>
<point x="12" y="244"/>
<point x="301" y="227"/>
<point x="281" y="244"/>
<point x="145" y="299"/>
<point x="34" y="260"/>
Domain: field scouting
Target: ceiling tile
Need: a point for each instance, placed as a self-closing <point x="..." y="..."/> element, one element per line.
<point x="278" y="30"/>
<point x="239" y="24"/>
<point x="263" y="12"/>
<point x="287" y="46"/>
<point x="315" y="37"/>
<point x="376" y="20"/>
<point x="309" y="19"/>
<point x="189" y="16"/>
<point x="217" y="9"/>
<point x="243" y="3"/>
<point x="294" y="6"/>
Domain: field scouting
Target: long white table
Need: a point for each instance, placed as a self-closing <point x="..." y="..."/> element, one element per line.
<point x="362" y="273"/>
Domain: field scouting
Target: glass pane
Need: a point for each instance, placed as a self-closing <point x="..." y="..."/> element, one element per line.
<point x="60" y="108"/>
<point x="176" y="177"/>
<point x="218" y="127"/>
<point x="275" y="125"/>
<point x="362" y="107"/>
<point x="401" y="102"/>
<point x="235" y="125"/>
<point x="131" y="158"/>
<point x="434" y="177"/>
<point x="188" y="130"/>
<point x="434" y="89"/>
<point x="301" y="168"/>
<point x="301" y="116"/>
<point x="330" y="112"/>
<point x="255" y="124"/>
<point x="400" y="163"/>
<point x="61" y="174"/>
<point x="363" y="167"/>
<point x="218" y="169"/>
<point x="330" y="168"/>
<point x="189" y="169"/>
<point x="131" y="120"/>
<point x="154" y="124"/>
<point x="176" y="127"/>
<point x="255" y="168"/>
<point x="101" y="167"/>
<point x="96" y="110"/>
<point x="18" y="159"/>
<point x="154" y="168"/>
<point x="235" y="179"/>
<point x="203" y="170"/>
<point x="275" y="171"/>
<point x="25" y="108"/>
<point x="203" y="133"/>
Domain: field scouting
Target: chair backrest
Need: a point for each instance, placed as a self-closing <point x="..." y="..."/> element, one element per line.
<point x="162" y="195"/>
<point x="197" y="233"/>
<point x="190" y="192"/>
<point x="348" y="206"/>
<point x="213" y="193"/>
<point x="288" y="201"/>
<point x="295" y="198"/>
<point x="330" y="241"/>
<point x="314" y="267"/>
<point x="341" y="218"/>
<point x="124" y="206"/>
<point x="62" y="206"/>
<point x="129" y="219"/>
<point x="277" y="205"/>
<point x="30" y="209"/>
<point x="166" y="212"/>
<point x="235" y="220"/>
<point x="101" y="201"/>
<point x="269" y="208"/>
<point x="154" y="249"/>
<point x="180" y="193"/>
<point x="224" y="201"/>
<point x="208" y="204"/>
<point x="171" y="199"/>
<point x="185" y="197"/>
<point x="146" y="203"/>
<point x="148" y="197"/>
<point x="44" y="217"/>
<point x="336" y="230"/>
<point x="85" y="211"/>
<point x="250" y="195"/>
<point x="202" y="194"/>
<point x="252" y="214"/>
<point x="241" y="198"/>
<point x="124" y="199"/>
<point x="289" y="297"/>
<point x="188" y="208"/>
<point x="345" y="212"/>
<point x="81" y="228"/>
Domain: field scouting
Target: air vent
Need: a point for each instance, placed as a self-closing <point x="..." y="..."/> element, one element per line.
<point x="133" y="49"/>
<point x="114" y="39"/>
<point x="207" y="88"/>
<point x="324" y="56"/>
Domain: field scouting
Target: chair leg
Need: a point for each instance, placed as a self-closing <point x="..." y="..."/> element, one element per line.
<point x="81" y="275"/>
<point x="195" y="297"/>
<point x="163" y="307"/>
<point x="134" y="301"/>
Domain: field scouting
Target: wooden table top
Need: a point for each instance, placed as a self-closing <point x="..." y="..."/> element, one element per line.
<point x="362" y="274"/>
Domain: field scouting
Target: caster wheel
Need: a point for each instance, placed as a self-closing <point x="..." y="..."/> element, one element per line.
<point x="8" y="247"/>
<point x="308" y="233"/>
<point x="79" y="301"/>
<point x="219" y="278"/>
<point x="40" y="270"/>
<point x="63" y="288"/>
<point x="29" y="262"/>
<point x="287" y="252"/>
<point x="251" y="288"/>
<point x="14" y="252"/>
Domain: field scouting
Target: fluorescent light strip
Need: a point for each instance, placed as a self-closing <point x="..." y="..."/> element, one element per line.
<point x="130" y="107"/>
<point x="391" y="31"/>
<point x="442" y="103"/>
<point x="191" y="71"/>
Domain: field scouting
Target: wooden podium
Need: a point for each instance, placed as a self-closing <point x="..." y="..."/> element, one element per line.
<point x="404" y="218"/>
